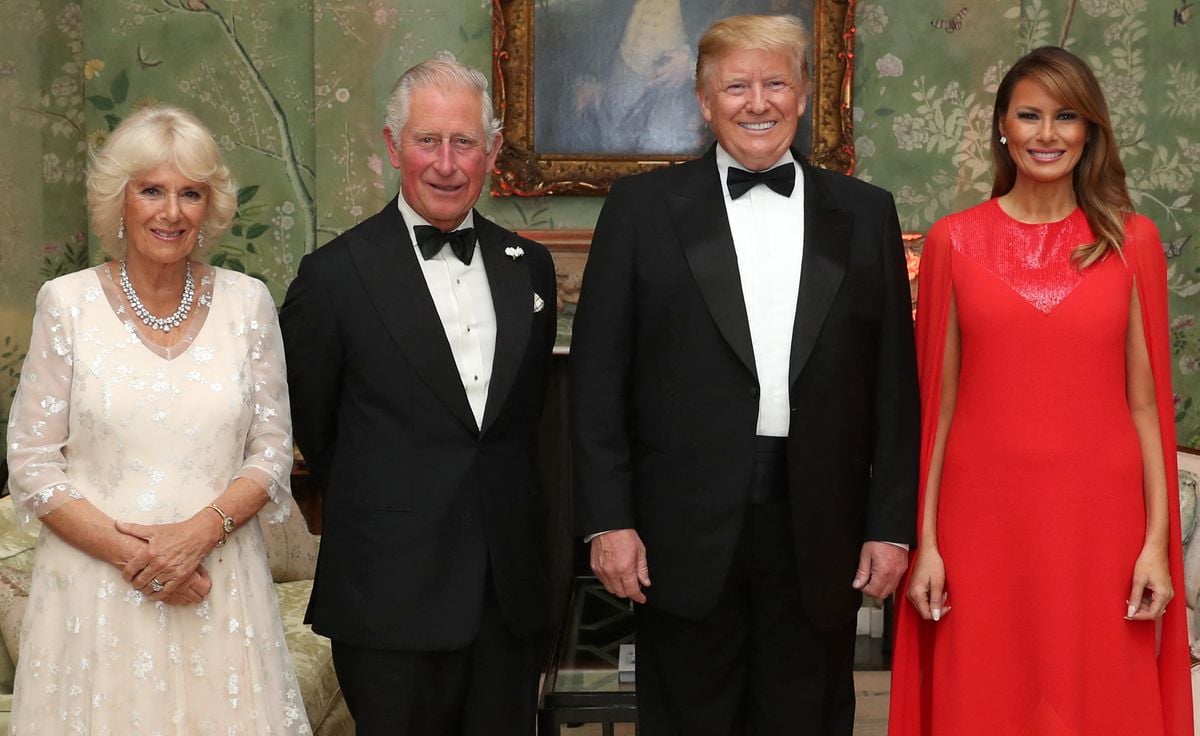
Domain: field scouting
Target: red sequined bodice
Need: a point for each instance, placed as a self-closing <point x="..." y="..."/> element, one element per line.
<point x="1034" y="260"/>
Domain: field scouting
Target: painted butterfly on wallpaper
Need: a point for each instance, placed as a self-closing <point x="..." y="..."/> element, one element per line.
<point x="1175" y="247"/>
<point x="1183" y="14"/>
<point x="951" y="24"/>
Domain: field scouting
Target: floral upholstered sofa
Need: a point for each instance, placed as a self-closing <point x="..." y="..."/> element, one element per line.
<point x="1189" y="510"/>
<point x="292" y="554"/>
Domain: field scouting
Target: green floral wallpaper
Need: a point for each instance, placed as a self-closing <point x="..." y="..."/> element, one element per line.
<point x="293" y="90"/>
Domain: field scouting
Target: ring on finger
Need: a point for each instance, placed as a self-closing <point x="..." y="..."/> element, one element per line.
<point x="156" y="586"/>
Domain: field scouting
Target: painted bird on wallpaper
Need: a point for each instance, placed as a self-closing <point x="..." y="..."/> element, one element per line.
<point x="1183" y="14"/>
<point x="951" y="24"/>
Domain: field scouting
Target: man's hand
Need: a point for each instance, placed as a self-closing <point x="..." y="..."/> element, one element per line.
<point x="619" y="560"/>
<point x="880" y="567"/>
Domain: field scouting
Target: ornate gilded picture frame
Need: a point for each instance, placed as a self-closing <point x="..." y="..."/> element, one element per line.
<point x="607" y="146"/>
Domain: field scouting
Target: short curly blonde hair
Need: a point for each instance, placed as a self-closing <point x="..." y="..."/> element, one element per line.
<point x="148" y="138"/>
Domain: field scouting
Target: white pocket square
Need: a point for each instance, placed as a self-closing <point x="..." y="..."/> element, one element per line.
<point x="538" y="304"/>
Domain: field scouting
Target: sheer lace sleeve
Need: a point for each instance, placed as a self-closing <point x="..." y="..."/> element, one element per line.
<point x="269" y="440"/>
<point x="39" y="422"/>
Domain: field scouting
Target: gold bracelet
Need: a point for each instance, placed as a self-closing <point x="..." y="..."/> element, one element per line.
<point x="227" y="523"/>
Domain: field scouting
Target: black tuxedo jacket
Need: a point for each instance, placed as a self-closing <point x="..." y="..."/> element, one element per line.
<point x="664" y="398"/>
<point x="419" y="502"/>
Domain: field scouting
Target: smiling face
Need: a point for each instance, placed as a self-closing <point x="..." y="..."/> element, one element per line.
<point x="164" y="211"/>
<point x="1045" y="137"/>
<point x="753" y="103"/>
<point x="442" y="154"/>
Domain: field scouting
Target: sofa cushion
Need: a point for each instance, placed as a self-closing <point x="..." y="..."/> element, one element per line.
<point x="291" y="548"/>
<point x="16" y="572"/>
<point x="312" y="656"/>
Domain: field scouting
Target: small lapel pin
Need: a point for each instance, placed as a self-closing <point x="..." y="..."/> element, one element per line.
<point x="538" y="304"/>
<point x="514" y="252"/>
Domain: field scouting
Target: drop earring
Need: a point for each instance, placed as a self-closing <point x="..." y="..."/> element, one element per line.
<point x="200" y="238"/>
<point x="121" y="229"/>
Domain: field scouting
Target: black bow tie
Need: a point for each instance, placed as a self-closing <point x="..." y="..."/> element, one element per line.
<point x="781" y="180"/>
<point x="430" y="240"/>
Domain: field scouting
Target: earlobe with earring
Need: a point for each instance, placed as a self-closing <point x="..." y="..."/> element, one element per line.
<point x="121" y="229"/>
<point x="1003" y="141"/>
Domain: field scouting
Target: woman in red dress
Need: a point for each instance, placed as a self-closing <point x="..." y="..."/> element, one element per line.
<point x="1049" y="537"/>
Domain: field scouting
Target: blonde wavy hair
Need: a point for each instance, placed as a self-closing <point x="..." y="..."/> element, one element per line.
<point x="148" y="138"/>
<point x="783" y="34"/>
<point x="1099" y="177"/>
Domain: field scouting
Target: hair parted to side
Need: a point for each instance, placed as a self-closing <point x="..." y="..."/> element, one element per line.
<point x="152" y="136"/>
<point x="783" y="34"/>
<point x="442" y="71"/>
<point x="1099" y="177"/>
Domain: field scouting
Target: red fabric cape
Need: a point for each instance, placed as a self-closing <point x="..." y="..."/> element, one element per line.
<point x="910" y="697"/>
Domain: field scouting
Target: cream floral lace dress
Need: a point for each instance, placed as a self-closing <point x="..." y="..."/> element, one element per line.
<point x="151" y="435"/>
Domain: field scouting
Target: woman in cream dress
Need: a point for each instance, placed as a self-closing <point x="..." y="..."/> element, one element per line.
<point x="150" y="427"/>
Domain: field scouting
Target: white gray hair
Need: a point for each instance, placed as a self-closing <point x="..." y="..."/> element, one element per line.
<point x="443" y="70"/>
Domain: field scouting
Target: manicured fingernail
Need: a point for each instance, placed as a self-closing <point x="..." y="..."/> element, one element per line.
<point x="937" y="614"/>
<point x="1132" y="610"/>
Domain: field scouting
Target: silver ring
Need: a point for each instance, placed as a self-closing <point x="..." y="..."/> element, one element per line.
<point x="156" y="586"/>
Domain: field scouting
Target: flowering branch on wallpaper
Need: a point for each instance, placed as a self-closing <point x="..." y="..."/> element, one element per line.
<point x="293" y="167"/>
<point x="11" y="360"/>
<point x="59" y="259"/>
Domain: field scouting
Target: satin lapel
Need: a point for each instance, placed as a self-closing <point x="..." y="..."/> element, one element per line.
<point x="392" y="278"/>
<point x="827" y="233"/>
<point x="702" y="227"/>
<point x="512" y="297"/>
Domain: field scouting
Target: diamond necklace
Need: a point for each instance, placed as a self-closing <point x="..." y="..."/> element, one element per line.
<point x="162" y="324"/>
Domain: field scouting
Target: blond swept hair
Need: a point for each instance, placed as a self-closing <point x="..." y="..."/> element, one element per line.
<point x="441" y="72"/>
<point x="1099" y="176"/>
<point x="148" y="138"/>
<point x="783" y="34"/>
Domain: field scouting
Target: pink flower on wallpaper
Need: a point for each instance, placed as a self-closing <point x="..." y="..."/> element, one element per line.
<point x="51" y="248"/>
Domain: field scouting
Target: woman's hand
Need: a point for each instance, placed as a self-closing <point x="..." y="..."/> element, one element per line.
<point x="927" y="589"/>
<point x="1152" y="589"/>
<point x="193" y="591"/>
<point x="172" y="554"/>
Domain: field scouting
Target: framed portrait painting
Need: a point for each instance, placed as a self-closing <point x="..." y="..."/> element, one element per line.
<point x="592" y="90"/>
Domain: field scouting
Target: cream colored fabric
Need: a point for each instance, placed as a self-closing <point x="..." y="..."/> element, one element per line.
<point x="313" y="660"/>
<point x="151" y="439"/>
<point x="291" y="548"/>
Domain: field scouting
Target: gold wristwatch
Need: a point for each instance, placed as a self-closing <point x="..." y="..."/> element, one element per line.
<point x="227" y="523"/>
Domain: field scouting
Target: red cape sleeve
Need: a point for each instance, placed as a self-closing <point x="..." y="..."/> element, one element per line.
<point x="910" y="653"/>
<point x="1144" y="250"/>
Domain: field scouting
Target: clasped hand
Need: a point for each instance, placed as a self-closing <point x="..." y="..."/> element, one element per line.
<point x="171" y="555"/>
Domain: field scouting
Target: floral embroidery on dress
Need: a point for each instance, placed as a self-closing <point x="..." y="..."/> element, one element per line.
<point x="151" y="435"/>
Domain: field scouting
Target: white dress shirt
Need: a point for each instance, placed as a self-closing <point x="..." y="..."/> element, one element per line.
<point x="463" y="299"/>
<point x="768" y="237"/>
